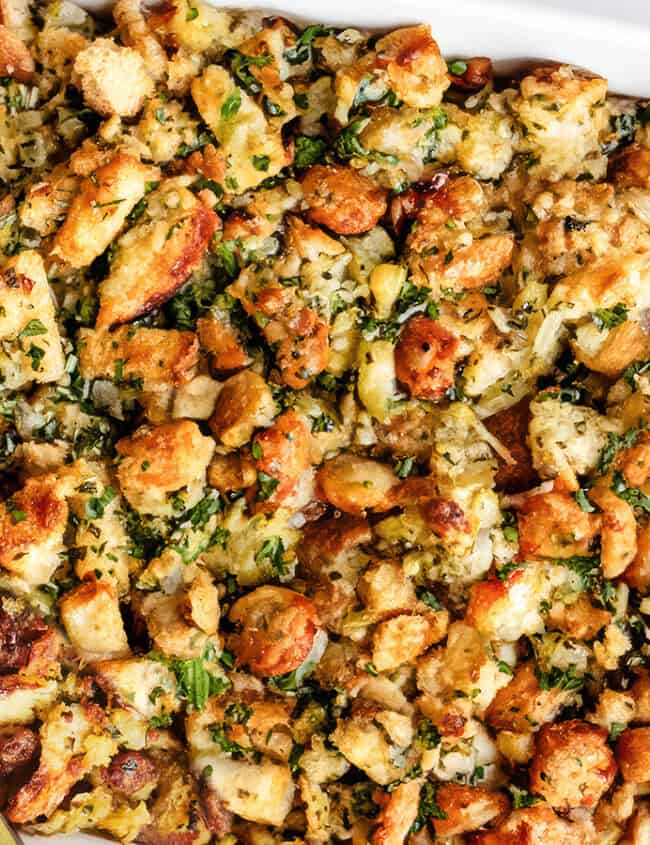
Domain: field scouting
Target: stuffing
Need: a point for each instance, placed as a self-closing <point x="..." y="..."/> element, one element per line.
<point x="280" y="456"/>
<point x="92" y="620"/>
<point x="553" y="525"/>
<point x="467" y="808"/>
<point x="161" y="460"/>
<point x="15" y="57"/>
<point x="278" y="630"/>
<point x="386" y="589"/>
<point x="573" y="766"/>
<point x="31" y="343"/>
<point x="563" y="112"/>
<point x="640" y="692"/>
<point x="163" y="127"/>
<point x="157" y="357"/>
<point x="33" y="522"/>
<point x="353" y="484"/>
<point x="565" y="439"/>
<point x="47" y="202"/>
<point x="523" y="706"/>
<point x="404" y="638"/>
<point x="134" y="32"/>
<point x="98" y="212"/>
<point x="398" y="814"/>
<point x="240" y="127"/>
<point x="244" y="404"/>
<point x="324" y="461"/>
<point x="146" y="686"/>
<point x="365" y="743"/>
<point x="29" y="664"/>
<point x="342" y="200"/>
<point x="633" y="755"/>
<point x="254" y="550"/>
<point x="156" y="257"/>
<point x="113" y="79"/>
<point x="73" y="739"/>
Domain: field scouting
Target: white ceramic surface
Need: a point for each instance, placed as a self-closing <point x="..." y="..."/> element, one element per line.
<point x="588" y="33"/>
<point x="608" y="37"/>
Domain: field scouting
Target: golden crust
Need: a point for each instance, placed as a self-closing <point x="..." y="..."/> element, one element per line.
<point x="157" y="356"/>
<point x="91" y="617"/>
<point x="278" y="627"/>
<point x="155" y="258"/>
<point x="30" y="341"/>
<point x="32" y="524"/>
<point x="98" y="212"/>
<point x="333" y="522"/>
<point x="113" y="79"/>
<point x="15" y="57"/>
<point x="573" y="765"/>
<point x="342" y="199"/>
<point x="522" y="706"/>
<point x="633" y="755"/>
<point x="157" y="460"/>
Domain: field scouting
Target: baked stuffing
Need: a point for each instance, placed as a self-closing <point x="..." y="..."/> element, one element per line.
<point x="324" y="437"/>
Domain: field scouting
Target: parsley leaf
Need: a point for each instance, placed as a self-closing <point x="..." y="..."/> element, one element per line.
<point x="308" y="151"/>
<point x="632" y="495"/>
<point x="231" y="105"/>
<point x="427" y="808"/>
<point x="609" y="318"/>
<point x="33" y="328"/>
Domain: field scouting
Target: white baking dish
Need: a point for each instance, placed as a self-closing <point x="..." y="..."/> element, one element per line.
<point x="506" y="30"/>
<point x="511" y="32"/>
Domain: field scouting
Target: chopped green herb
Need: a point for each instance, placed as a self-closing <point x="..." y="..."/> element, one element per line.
<point x="457" y="68"/>
<point x="266" y="485"/>
<point x="308" y="151"/>
<point x="95" y="506"/>
<point x="231" y="105"/>
<point x="261" y="163"/>
<point x="36" y="354"/>
<point x="33" y="328"/>
<point x="404" y="467"/>
<point x="609" y="318"/>
<point x="585" y="505"/>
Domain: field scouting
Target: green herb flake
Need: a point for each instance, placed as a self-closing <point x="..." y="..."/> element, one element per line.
<point x="457" y="68"/>
<point x="231" y="105"/>
<point x="33" y="328"/>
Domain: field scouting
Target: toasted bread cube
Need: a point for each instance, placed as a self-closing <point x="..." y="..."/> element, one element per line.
<point x="258" y="792"/>
<point x="523" y="706"/>
<point x="244" y="404"/>
<point x="563" y="113"/>
<point x="467" y="808"/>
<point x="240" y="126"/>
<point x="386" y="589"/>
<point x="32" y="524"/>
<point x="92" y="620"/>
<point x="398" y="814"/>
<point x="158" y="460"/>
<point x="15" y="58"/>
<point x="157" y="356"/>
<point x="133" y="681"/>
<point x="404" y="638"/>
<point x="573" y="765"/>
<point x="100" y="209"/>
<point x="23" y="699"/>
<point x="47" y="202"/>
<point x="114" y="79"/>
<point x="30" y="343"/>
<point x="156" y="257"/>
<point x="73" y="740"/>
<point x="16" y="16"/>
<point x="633" y="755"/>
